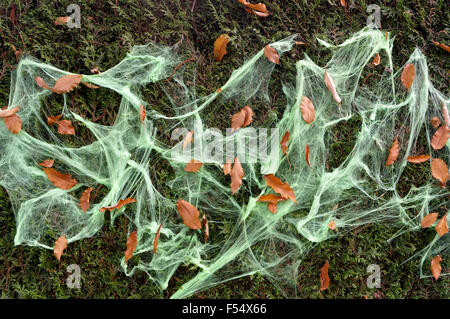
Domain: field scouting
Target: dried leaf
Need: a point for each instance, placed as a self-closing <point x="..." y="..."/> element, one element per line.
<point x="131" y="246"/>
<point x="332" y="225"/>
<point x="258" y="9"/>
<point x="436" y="266"/>
<point x="440" y="138"/>
<point x="393" y="153"/>
<point x="300" y="43"/>
<point x="61" y="20"/>
<point x="60" y="180"/>
<point x="142" y="114"/>
<point x="445" y="114"/>
<point x="5" y="112"/>
<point x="227" y="167"/>
<point x="66" y="83"/>
<point x="308" y="111"/>
<point x="13" y="123"/>
<point x="439" y="170"/>
<point x="418" y="158"/>
<point x="47" y="163"/>
<point x="188" y="139"/>
<point x="271" y="54"/>
<point x="206" y="225"/>
<point x="189" y="213"/>
<point x="442" y="227"/>
<point x="407" y="76"/>
<point x="95" y="71"/>
<point x="442" y="46"/>
<point x="281" y="188"/>
<point x="40" y="81"/>
<point x="343" y="3"/>
<point x="120" y="204"/>
<point x="220" y="46"/>
<point x="65" y="127"/>
<point x="193" y="166"/>
<point x="60" y="245"/>
<point x="237" y="173"/>
<point x="428" y="220"/>
<point x="155" y="243"/>
<point x="284" y="146"/>
<point x="324" y="279"/>
<point x="331" y="87"/>
<point x="376" y="60"/>
<point x="435" y="122"/>
<point x="84" y="200"/>
<point x="307" y="155"/>
<point x="53" y="119"/>
<point x="242" y="118"/>
<point x="272" y="201"/>
<point x="90" y="85"/>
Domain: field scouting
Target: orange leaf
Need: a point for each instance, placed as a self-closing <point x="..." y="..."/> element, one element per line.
<point x="440" y="138"/>
<point x="308" y="111"/>
<point x="242" y="118"/>
<point x="393" y="153"/>
<point x="5" y="112"/>
<point x="324" y="279"/>
<point x="193" y="166"/>
<point x="47" y="163"/>
<point x="60" y="180"/>
<point x="418" y="158"/>
<point x="61" y="20"/>
<point x="90" y="85"/>
<point x="376" y="60"/>
<point x="220" y="46"/>
<point x="272" y="201"/>
<point x="281" y="188"/>
<point x="435" y="122"/>
<point x="271" y="54"/>
<point x="445" y="114"/>
<point x="65" y="127"/>
<point x="84" y="200"/>
<point x="284" y="146"/>
<point x="442" y="46"/>
<point x="442" y="227"/>
<point x="237" y="173"/>
<point x="13" y="123"/>
<point x="332" y="225"/>
<point x="188" y="139"/>
<point x="259" y="9"/>
<point x="53" y="119"/>
<point x="428" y="220"/>
<point x="227" y="167"/>
<point x="436" y="266"/>
<point x="120" y="204"/>
<point x="155" y="243"/>
<point x="131" y="246"/>
<point x="40" y="81"/>
<point x="189" y="213"/>
<point x="66" y="83"/>
<point x="60" y="245"/>
<point x="206" y="225"/>
<point x="408" y="75"/>
<point x="439" y="170"/>
<point x="142" y="114"/>
<point x="343" y="3"/>
<point x="307" y="155"/>
<point x="331" y="87"/>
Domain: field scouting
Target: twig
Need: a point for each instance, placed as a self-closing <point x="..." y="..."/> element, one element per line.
<point x="177" y="68"/>
<point x="193" y="5"/>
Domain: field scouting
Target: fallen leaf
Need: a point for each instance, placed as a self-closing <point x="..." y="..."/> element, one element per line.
<point x="40" y="81"/>
<point x="188" y="139"/>
<point x="142" y="114"/>
<point x="435" y="122"/>
<point x="442" y="46"/>
<point x="90" y="85"/>
<point x="227" y="167"/>
<point x="131" y="246"/>
<point x="324" y="279"/>
<point x="440" y="137"/>
<point x="242" y="118"/>
<point x="53" y="119"/>
<point x="66" y="83"/>
<point x="84" y="199"/>
<point x="308" y="111"/>
<point x="343" y="3"/>
<point x="439" y="170"/>
<point x="60" y="245"/>
<point x="65" y="127"/>
<point x="220" y="46"/>
<point x="206" y="225"/>
<point x="271" y="54"/>
<point x="47" y="163"/>
<point x="237" y="173"/>
<point x="428" y="220"/>
<point x="307" y="155"/>
<point x="300" y="43"/>
<point x="436" y="266"/>
<point x="445" y="114"/>
<point x="407" y="76"/>
<point x="272" y="201"/>
<point x="331" y="87"/>
<point x="189" y="213"/>
<point x="281" y="188"/>
<point x="13" y="123"/>
<point x="60" y="180"/>
<point x="120" y="204"/>
<point x="442" y="227"/>
<point x="393" y="153"/>
<point x="284" y="146"/>
<point x="258" y="9"/>
<point x="418" y="158"/>
<point x="219" y="90"/>
<point x="95" y="70"/>
<point x="193" y="166"/>
<point x="376" y="60"/>
<point x="155" y="243"/>
<point x="61" y="20"/>
<point x="332" y="225"/>
<point x="5" y="112"/>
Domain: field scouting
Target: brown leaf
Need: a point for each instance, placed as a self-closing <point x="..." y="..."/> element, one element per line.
<point x="343" y="3"/>
<point x="90" y="85"/>
<point x="376" y="60"/>
<point x="237" y="173"/>
<point x="332" y="225"/>
<point x="60" y="245"/>
<point x="442" y="227"/>
<point x="331" y="87"/>
<point x="440" y="138"/>
<point x="258" y="9"/>
<point x="308" y="111"/>
<point x="60" y="180"/>
<point x="242" y="118"/>
<point x="284" y="146"/>
<point x="142" y="114"/>
<point x="66" y="83"/>
<point x="324" y="279"/>
<point x="120" y="204"/>
<point x="407" y="76"/>
<point x="445" y="114"/>
<point x="281" y="188"/>
<point x="428" y="220"/>
<point x="418" y="158"/>
<point x="47" y="163"/>
<point x="442" y="46"/>
<point x="155" y="243"/>
<point x="53" y="119"/>
<point x="227" y="167"/>
<point x="95" y="70"/>
<point x="65" y="127"/>
<point x="61" y="20"/>
<point x="84" y="200"/>
<point x="436" y="266"/>
<point x="5" y="112"/>
<point x="13" y="123"/>
<point x="439" y="170"/>
<point x="393" y="153"/>
<point x="206" y="225"/>
<point x="220" y="46"/>
<point x="271" y="54"/>
<point x="307" y="155"/>
<point x="189" y="213"/>
<point x="272" y="201"/>
<point x="193" y="166"/>
<point x="435" y="122"/>
<point x="131" y="246"/>
<point x="188" y="139"/>
<point x="40" y="81"/>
